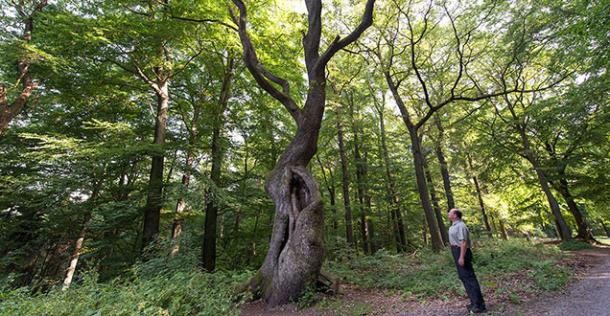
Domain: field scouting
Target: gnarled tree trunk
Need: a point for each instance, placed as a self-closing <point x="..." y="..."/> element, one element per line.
<point x="296" y="248"/>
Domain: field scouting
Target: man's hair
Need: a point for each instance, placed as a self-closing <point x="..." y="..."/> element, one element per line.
<point x="457" y="212"/>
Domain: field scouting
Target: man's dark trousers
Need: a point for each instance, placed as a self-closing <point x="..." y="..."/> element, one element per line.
<point x="466" y="274"/>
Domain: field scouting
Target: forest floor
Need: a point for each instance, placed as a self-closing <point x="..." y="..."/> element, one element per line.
<point x="588" y="293"/>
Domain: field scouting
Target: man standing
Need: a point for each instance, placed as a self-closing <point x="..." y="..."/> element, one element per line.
<point x="459" y="238"/>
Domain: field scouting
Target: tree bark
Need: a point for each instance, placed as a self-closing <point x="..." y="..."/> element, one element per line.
<point x="178" y="225"/>
<point x="211" y="213"/>
<point x="436" y="206"/>
<point x="440" y="155"/>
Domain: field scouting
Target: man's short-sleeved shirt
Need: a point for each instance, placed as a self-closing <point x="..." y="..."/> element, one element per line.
<point x="458" y="232"/>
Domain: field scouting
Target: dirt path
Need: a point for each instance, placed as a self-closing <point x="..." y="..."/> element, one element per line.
<point x="588" y="295"/>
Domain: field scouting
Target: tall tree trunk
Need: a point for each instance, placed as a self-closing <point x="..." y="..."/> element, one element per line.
<point x="477" y="188"/>
<point x="606" y="229"/>
<point x="154" y="200"/>
<point x="361" y="186"/>
<point x="332" y="194"/>
<point x="564" y="230"/>
<point x="178" y="224"/>
<point x="211" y="212"/>
<point x="422" y="189"/>
<point x="418" y="164"/>
<point x="503" y="229"/>
<point x="9" y="110"/>
<point x="584" y="232"/>
<point x="482" y="206"/>
<point x="80" y="240"/>
<point x="349" y="230"/>
<point x="440" y="155"/>
<point x="437" y="209"/>
<point x="392" y="198"/>
<point x="530" y="156"/>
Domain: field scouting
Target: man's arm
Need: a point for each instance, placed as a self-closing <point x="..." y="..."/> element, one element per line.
<point x="463" y="247"/>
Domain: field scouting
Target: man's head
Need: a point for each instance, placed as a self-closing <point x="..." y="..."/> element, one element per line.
<point x="454" y="214"/>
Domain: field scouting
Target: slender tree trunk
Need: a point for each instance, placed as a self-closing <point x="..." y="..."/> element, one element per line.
<point x="564" y="230"/>
<point x="78" y="245"/>
<point x="606" y="229"/>
<point x="436" y="206"/>
<point x="211" y="213"/>
<point x="424" y="230"/>
<point x="178" y="224"/>
<point x="154" y="201"/>
<point x="528" y="154"/>
<point x="361" y="186"/>
<point x="482" y="206"/>
<point x="349" y="231"/>
<point x="418" y="165"/>
<point x="391" y="195"/>
<point x="422" y="188"/>
<point x="440" y="155"/>
<point x="503" y="229"/>
<point x="584" y="232"/>
<point x="332" y="194"/>
<point x="477" y="188"/>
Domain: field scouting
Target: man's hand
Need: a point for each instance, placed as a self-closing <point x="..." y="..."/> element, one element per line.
<point x="461" y="261"/>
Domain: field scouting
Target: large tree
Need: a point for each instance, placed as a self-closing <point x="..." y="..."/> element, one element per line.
<point x="296" y="249"/>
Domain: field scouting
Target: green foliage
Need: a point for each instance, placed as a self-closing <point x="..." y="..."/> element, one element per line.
<point x="160" y="287"/>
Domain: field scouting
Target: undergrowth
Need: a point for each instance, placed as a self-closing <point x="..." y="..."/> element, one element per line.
<point x="157" y="287"/>
<point x="425" y="274"/>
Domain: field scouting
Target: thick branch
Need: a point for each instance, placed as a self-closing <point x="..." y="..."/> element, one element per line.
<point x="262" y="76"/>
<point x="338" y="43"/>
